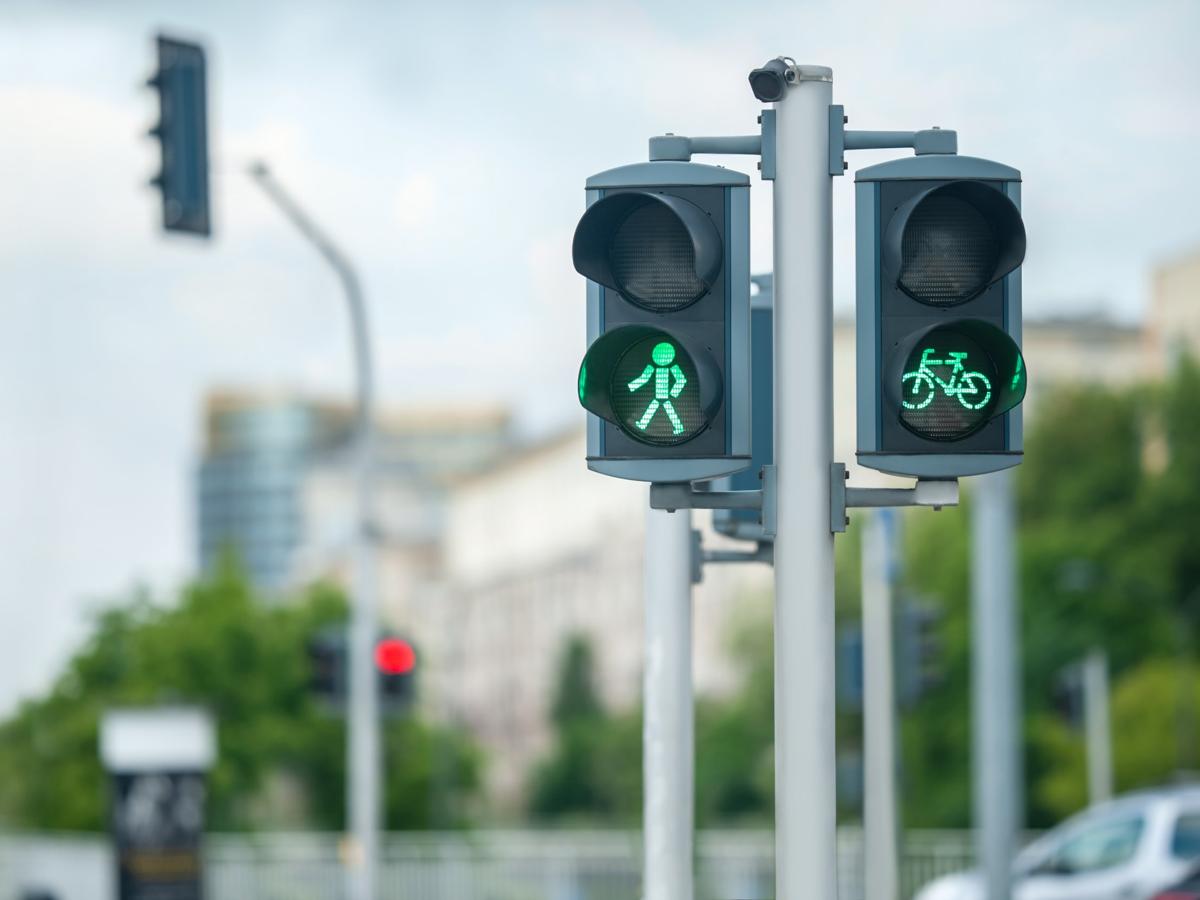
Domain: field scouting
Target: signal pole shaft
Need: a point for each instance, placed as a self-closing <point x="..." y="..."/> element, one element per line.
<point x="805" y="803"/>
<point x="364" y="764"/>
<point x="879" y="711"/>
<point x="996" y="761"/>
<point x="668" y="745"/>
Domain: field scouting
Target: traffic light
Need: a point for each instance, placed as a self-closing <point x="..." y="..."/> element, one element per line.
<point x="848" y="668"/>
<point x="327" y="666"/>
<point x="747" y="522"/>
<point x="1067" y="697"/>
<point x="920" y="654"/>
<point x="940" y="242"/>
<point x="396" y="661"/>
<point x="182" y="132"/>
<point x="665" y="248"/>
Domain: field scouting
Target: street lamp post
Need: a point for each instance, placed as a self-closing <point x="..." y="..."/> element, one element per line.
<point x="364" y="769"/>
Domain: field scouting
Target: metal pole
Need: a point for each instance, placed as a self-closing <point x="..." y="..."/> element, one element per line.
<point x="667" y="737"/>
<point x="996" y="759"/>
<point x="805" y="804"/>
<point x="364" y="769"/>
<point x="1097" y="728"/>
<point x="879" y="711"/>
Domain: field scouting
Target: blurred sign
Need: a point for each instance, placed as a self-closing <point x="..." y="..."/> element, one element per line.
<point x="157" y="757"/>
<point x="157" y="825"/>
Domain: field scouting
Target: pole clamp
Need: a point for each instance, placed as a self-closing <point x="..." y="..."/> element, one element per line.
<point x="931" y="492"/>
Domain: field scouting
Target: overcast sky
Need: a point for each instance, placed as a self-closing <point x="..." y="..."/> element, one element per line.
<point x="445" y="145"/>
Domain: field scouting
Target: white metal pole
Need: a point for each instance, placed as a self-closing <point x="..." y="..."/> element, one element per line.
<point x="364" y="774"/>
<point x="667" y="737"/>
<point x="805" y="804"/>
<point x="1097" y="727"/>
<point x="879" y="712"/>
<point x="996" y="759"/>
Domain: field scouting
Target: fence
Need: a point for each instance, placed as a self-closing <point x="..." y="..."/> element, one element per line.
<point x="480" y="865"/>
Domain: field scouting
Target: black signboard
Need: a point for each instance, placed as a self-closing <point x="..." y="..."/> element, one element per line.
<point x="157" y="825"/>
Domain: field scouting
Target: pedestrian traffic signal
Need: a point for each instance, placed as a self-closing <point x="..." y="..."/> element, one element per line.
<point x="665" y="247"/>
<point x="182" y="133"/>
<point x="940" y="373"/>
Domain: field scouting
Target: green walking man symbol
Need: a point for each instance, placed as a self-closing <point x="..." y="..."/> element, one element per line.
<point x="661" y="370"/>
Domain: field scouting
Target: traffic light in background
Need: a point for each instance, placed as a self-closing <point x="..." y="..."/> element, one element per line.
<point x="940" y="374"/>
<point x="396" y="661"/>
<point x="1067" y="696"/>
<point x="920" y="666"/>
<point x="182" y="132"/>
<point x="394" y="658"/>
<point x="327" y="666"/>
<point x="665" y="247"/>
<point x="745" y="523"/>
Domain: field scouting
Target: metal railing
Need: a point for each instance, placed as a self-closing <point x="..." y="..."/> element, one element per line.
<point x="478" y="865"/>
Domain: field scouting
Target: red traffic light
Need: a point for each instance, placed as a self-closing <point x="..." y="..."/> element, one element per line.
<point x="395" y="657"/>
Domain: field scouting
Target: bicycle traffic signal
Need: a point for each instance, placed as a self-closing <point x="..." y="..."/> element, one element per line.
<point x="182" y="132"/>
<point x="940" y="374"/>
<point x="665" y="248"/>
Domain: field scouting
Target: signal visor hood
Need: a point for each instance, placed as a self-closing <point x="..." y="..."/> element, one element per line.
<point x="591" y="247"/>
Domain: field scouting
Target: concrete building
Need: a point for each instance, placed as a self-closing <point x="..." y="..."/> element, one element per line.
<point x="1173" y="321"/>
<point x="275" y="485"/>
<point x="538" y="549"/>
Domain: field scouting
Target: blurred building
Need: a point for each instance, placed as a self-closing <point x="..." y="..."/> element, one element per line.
<point x="275" y="486"/>
<point x="538" y="549"/>
<point x="1173" y="322"/>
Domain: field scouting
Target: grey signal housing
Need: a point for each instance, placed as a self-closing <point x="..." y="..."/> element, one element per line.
<point x="896" y="307"/>
<point x="709" y="207"/>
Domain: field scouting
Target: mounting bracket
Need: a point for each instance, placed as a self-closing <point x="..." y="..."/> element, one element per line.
<point x="764" y="552"/>
<point x="926" y="141"/>
<point x="680" y="148"/>
<point x="926" y="492"/>
<point x="673" y="495"/>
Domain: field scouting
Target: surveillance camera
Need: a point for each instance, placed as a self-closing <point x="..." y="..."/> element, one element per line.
<point x="770" y="81"/>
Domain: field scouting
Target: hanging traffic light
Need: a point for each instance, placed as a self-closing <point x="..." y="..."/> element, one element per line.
<point x="182" y="133"/>
<point x="940" y="371"/>
<point x="665" y="248"/>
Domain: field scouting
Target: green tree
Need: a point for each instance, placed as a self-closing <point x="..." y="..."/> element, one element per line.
<point x="593" y="772"/>
<point x="244" y="659"/>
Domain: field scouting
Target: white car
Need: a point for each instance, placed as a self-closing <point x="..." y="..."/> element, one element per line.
<point x="1126" y="849"/>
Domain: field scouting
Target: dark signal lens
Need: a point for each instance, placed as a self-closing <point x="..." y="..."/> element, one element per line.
<point x="653" y="260"/>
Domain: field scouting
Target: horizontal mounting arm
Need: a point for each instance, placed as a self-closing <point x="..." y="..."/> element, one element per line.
<point x="935" y="493"/>
<point x="926" y="141"/>
<point x="673" y="495"/>
<point x="680" y="148"/>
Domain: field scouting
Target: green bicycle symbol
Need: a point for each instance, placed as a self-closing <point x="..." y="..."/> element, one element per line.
<point x="972" y="389"/>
